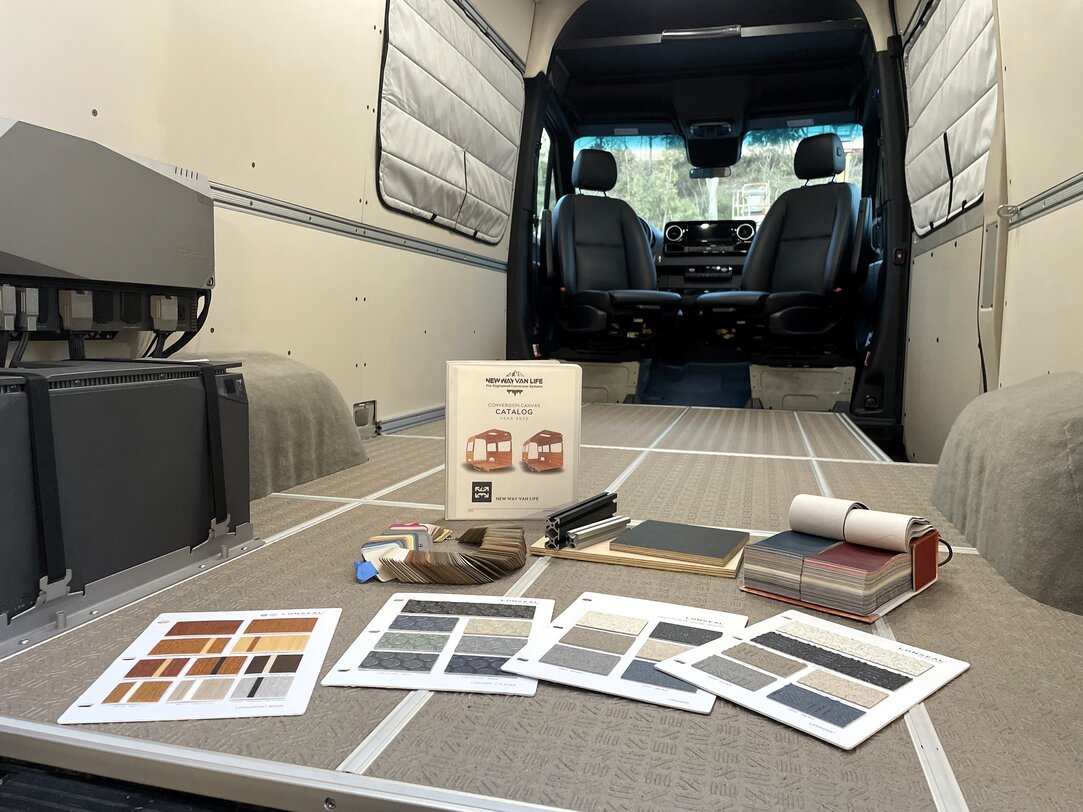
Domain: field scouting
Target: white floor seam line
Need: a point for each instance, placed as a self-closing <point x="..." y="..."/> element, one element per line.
<point x="403" y="483"/>
<point x="821" y="481"/>
<point x="943" y="785"/>
<point x="627" y="472"/>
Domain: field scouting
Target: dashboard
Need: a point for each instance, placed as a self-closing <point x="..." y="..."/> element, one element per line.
<point x="702" y="254"/>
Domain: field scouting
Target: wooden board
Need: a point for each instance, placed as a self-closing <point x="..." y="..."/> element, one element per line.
<point x="601" y="554"/>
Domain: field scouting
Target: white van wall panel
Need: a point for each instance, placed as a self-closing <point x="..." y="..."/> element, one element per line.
<point x="291" y="291"/>
<point x="209" y="86"/>
<point x="217" y="86"/>
<point x="1043" y="60"/>
<point x="1043" y="294"/>
<point x="511" y="19"/>
<point x="351" y="309"/>
<point x="943" y="365"/>
<point x="462" y="317"/>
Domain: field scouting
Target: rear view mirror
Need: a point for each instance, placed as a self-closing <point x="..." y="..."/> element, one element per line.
<point x="701" y="172"/>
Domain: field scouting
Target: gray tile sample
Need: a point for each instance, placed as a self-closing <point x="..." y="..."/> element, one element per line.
<point x="593" y="662"/>
<point x="262" y="688"/>
<point x="416" y="607"/>
<point x="624" y="624"/>
<point x="734" y="673"/>
<point x="423" y="623"/>
<point x="765" y="660"/>
<point x="833" y="661"/>
<point x="505" y="646"/>
<point x="471" y="664"/>
<point x="830" y="711"/>
<point x="398" y="661"/>
<point x="404" y="641"/>
<point x="596" y="639"/>
<point x="640" y="671"/>
<point x="689" y="635"/>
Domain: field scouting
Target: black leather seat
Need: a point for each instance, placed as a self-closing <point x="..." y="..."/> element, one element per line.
<point x="798" y="266"/>
<point x="604" y="262"/>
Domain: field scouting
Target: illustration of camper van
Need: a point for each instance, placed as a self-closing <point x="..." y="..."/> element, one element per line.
<point x="544" y="451"/>
<point x="490" y="450"/>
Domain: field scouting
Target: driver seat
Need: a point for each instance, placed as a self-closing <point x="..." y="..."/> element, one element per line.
<point x="604" y="263"/>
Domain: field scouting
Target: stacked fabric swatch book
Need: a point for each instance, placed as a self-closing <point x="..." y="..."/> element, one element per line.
<point x="840" y="557"/>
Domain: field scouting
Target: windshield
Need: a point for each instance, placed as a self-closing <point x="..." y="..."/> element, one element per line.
<point x="652" y="173"/>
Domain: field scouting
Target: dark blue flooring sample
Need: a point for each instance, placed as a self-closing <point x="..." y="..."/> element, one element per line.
<point x="473" y="664"/>
<point x="423" y="623"/>
<point x="830" y="711"/>
<point x="640" y="671"/>
<point x="689" y="635"/>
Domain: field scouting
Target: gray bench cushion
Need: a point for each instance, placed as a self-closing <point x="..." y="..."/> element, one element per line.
<point x="1011" y="479"/>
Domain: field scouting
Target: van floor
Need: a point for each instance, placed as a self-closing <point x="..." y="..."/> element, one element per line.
<point x="1004" y="735"/>
<point x="698" y="384"/>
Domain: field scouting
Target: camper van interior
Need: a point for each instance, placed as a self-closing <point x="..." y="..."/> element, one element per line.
<point x="817" y="264"/>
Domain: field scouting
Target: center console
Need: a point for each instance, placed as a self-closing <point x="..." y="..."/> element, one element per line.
<point x="703" y="254"/>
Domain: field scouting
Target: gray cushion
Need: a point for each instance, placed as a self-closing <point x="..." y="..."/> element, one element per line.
<point x="299" y="426"/>
<point x="1011" y="478"/>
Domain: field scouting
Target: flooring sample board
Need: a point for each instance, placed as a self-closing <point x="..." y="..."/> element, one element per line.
<point x="611" y="644"/>
<point x="844" y="559"/>
<point x="827" y="680"/>
<point x="212" y="665"/>
<point x="438" y="642"/>
<point x="602" y="553"/>
<point x="683" y="542"/>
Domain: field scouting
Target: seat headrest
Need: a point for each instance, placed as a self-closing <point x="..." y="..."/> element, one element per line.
<point x="819" y="156"/>
<point x="594" y="169"/>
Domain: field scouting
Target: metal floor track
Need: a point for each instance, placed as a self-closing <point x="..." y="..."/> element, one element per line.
<point x="1004" y="735"/>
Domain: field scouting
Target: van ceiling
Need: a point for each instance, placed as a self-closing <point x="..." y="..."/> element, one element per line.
<point x="789" y="58"/>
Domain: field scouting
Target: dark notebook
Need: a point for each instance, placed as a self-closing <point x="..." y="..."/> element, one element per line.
<point x="683" y="542"/>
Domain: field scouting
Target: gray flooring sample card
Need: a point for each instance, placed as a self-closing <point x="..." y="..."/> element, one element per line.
<point x="593" y="662"/>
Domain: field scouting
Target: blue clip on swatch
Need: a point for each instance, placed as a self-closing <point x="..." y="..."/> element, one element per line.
<point x="365" y="571"/>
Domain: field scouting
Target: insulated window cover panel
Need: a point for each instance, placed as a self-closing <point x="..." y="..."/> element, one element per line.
<point x="951" y="86"/>
<point x="451" y="108"/>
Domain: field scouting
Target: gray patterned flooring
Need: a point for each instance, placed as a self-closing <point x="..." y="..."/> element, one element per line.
<point x="1010" y="726"/>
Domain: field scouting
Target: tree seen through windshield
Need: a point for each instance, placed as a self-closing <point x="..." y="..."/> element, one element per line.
<point x="652" y="173"/>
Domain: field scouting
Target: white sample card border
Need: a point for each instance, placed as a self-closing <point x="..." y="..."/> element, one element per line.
<point x="612" y="644"/>
<point x="441" y="642"/>
<point x="824" y="679"/>
<point x="212" y="665"/>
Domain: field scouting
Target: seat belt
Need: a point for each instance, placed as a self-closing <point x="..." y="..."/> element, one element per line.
<point x="46" y="485"/>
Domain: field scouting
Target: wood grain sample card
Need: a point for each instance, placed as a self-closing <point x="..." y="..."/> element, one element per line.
<point x="212" y="665"/>
<point x="827" y="680"/>
<point x="611" y="644"/>
<point x="442" y="642"/>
